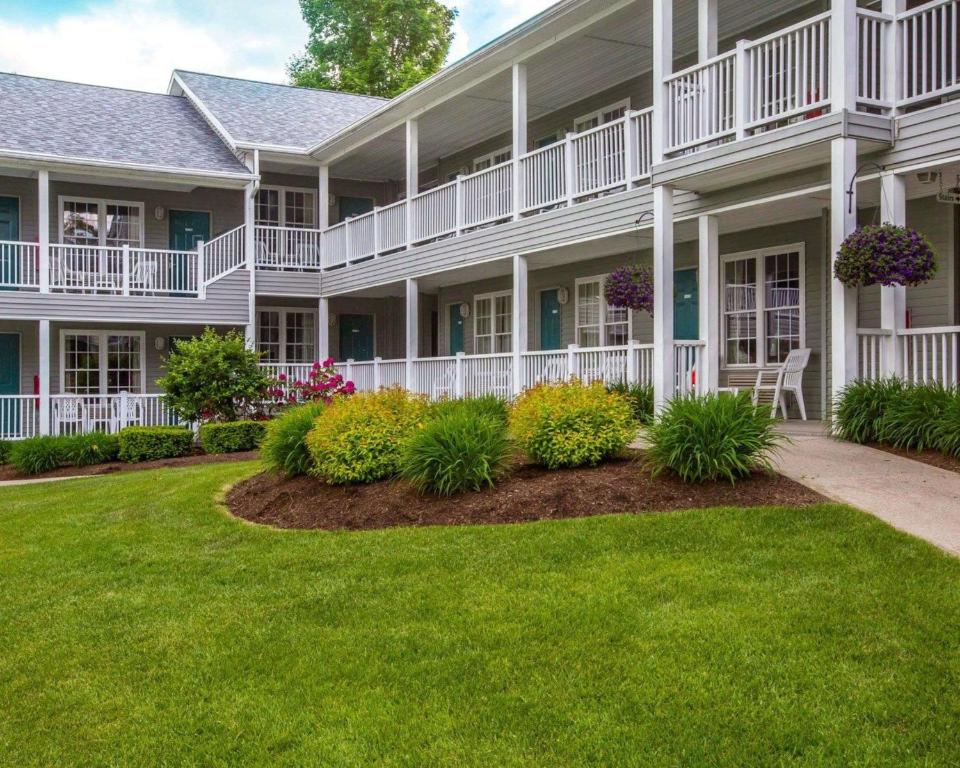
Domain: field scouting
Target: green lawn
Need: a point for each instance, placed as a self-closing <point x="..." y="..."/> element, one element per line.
<point x="141" y="625"/>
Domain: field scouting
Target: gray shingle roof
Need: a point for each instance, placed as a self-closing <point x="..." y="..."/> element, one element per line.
<point x="278" y="115"/>
<point x="110" y="125"/>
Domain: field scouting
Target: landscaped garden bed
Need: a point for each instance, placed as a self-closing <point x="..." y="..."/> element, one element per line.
<point x="527" y="494"/>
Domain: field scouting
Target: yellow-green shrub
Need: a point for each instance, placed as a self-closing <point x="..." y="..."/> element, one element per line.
<point x="570" y="425"/>
<point x="359" y="439"/>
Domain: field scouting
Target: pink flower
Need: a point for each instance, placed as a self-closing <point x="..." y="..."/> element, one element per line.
<point x="349" y="388"/>
<point x="282" y="377"/>
<point x="328" y="362"/>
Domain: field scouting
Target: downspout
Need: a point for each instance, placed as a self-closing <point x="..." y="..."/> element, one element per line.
<point x="250" y="244"/>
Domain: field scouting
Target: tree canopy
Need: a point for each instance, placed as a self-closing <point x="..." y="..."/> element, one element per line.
<point x="373" y="47"/>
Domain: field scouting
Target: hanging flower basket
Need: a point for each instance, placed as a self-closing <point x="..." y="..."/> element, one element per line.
<point x="886" y="254"/>
<point x="630" y="287"/>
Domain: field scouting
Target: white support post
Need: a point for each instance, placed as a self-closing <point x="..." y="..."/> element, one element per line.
<point x="632" y="361"/>
<point x="631" y="149"/>
<point x="43" y="228"/>
<point x="349" y="369"/>
<point x="706" y="29"/>
<point x="708" y="275"/>
<point x="662" y="68"/>
<point x="377" y="375"/>
<point x="572" y="360"/>
<point x="663" y="364"/>
<point x="458" y="387"/>
<point x="893" y="298"/>
<point x="412" y="327"/>
<point x="520" y="320"/>
<point x="323" y="197"/>
<point x="741" y="76"/>
<point x="413" y="174"/>
<point x="124" y="415"/>
<point x="892" y="55"/>
<point x="844" y="54"/>
<point x="569" y="169"/>
<point x="44" y="376"/>
<point x="323" y="329"/>
<point x="201" y="270"/>
<point x="458" y="201"/>
<point x="125" y="268"/>
<point x="843" y="220"/>
<point x="376" y="231"/>
<point x="519" y="131"/>
<point x="249" y="244"/>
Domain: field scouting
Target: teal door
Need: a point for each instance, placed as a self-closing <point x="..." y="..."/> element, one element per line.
<point x="9" y="230"/>
<point x="9" y="385"/>
<point x="354" y="206"/>
<point x="187" y="228"/>
<point x="356" y="337"/>
<point x="686" y="306"/>
<point x="456" y="330"/>
<point x="550" y="319"/>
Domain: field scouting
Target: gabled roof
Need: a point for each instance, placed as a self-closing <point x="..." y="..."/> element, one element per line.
<point x="64" y="121"/>
<point x="266" y="115"/>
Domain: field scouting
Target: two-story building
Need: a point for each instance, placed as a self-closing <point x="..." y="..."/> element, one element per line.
<point x="455" y="239"/>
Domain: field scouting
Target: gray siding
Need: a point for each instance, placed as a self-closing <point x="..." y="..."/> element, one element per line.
<point x="389" y="321"/>
<point x="925" y="136"/>
<point x="274" y="283"/>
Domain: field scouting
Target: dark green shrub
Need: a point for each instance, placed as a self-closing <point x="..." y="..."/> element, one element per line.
<point x="862" y="407"/>
<point x="232" y="436"/>
<point x="570" y="424"/>
<point x="712" y="437"/>
<point x="39" y="454"/>
<point x="458" y="451"/>
<point x="94" y="448"/>
<point x="911" y="420"/>
<point x="358" y="439"/>
<point x="486" y="405"/>
<point x="640" y="397"/>
<point x="148" y="443"/>
<point x="284" y="448"/>
<point x="947" y="432"/>
<point x="5" y="446"/>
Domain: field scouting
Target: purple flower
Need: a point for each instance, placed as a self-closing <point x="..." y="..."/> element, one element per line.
<point x="630" y="287"/>
<point x="886" y="254"/>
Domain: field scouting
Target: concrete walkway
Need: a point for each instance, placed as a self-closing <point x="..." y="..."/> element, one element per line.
<point x="909" y="495"/>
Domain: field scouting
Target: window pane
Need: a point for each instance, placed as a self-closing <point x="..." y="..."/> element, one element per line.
<point x="782" y="305"/>
<point x="268" y="336"/>
<point x="740" y="311"/>
<point x="300" y="335"/>
<point x="298" y="209"/>
<point x="268" y="207"/>
<point x="81" y="224"/>
<point x="81" y="363"/>
<point x="124" y="357"/>
<point x="122" y="225"/>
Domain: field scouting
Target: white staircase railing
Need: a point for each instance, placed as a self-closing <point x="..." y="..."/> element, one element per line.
<point x="224" y="254"/>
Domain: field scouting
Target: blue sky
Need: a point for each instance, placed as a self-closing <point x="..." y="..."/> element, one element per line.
<point x="136" y="43"/>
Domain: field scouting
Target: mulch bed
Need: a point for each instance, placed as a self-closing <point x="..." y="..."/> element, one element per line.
<point x="530" y="493"/>
<point x="933" y="458"/>
<point x="9" y="473"/>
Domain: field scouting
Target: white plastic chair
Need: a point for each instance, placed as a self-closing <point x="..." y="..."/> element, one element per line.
<point x="553" y="371"/>
<point x="789" y="378"/>
<point x="69" y="412"/>
<point x="444" y="384"/>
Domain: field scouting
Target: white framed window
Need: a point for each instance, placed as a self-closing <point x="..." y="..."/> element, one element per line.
<point x="493" y="322"/>
<point x="493" y="158"/>
<point x="102" y="362"/>
<point x="286" y="207"/>
<point x="550" y="138"/>
<point x="287" y="335"/>
<point x="601" y="117"/>
<point x="762" y="304"/>
<point x="92" y="221"/>
<point x="597" y="323"/>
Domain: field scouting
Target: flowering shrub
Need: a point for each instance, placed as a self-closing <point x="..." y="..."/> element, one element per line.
<point x="886" y="254"/>
<point x="630" y="287"/>
<point x="323" y="384"/>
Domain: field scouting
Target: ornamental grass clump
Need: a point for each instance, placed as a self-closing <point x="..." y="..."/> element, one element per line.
<point x="461" y="448"/>
<point x="911" y="420"/>
<point x="359" y="439"/>
<point x="712" y="437"/>
<point x="570" y="424"/>
<point x="485" y="405"/>
<point x="640" y="397"/>
<point x="947" y="432"/>
<point x="862" y="407"/>
<point x="885" y="254"/>
<point x="284" y="448"/>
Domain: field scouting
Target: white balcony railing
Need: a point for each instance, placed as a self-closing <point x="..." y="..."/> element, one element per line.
<point x="80" y="414"/>
<point x="287" y="248"/>
<point x="224" y="254"/>
<point x="19" y="416"/>
<point x="123" y="270"/>
<point x="19" y="265"/>
<point x="702" y="103"/>
<point x="929" y="38"/>
<point x="921" y="355"/>
<point x="486" y="196"/>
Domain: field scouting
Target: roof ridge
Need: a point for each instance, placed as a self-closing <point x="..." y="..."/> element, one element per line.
<point x="282" y="85"/>
<point x="88" y="85"/>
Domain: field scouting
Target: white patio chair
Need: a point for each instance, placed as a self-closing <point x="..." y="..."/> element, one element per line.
<point x="553" y="371"/>
<point x="787" y="378"/>
<point x="144" y="275"/>
<point x="614" y="370"/>
<point x="69" y="413"/>
<point x="445" y="384"/>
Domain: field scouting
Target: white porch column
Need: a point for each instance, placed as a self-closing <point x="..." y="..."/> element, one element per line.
<point x="44" y="374"/>
<point x="663" y="373"/>
<point x="323" y="197"/>
<point x="706" y="29"/>
<point x="413" y="173"/>
<point x="843" y="303"/>
<point x="412" y="327"/>
<point x="662" y="68"/>
<point x="323" y="329"/>
<point x="43" y="228"/>
<point x="709" y="302"/>
<point x="893" y="299"/>
<point x="843" y="55"/>
<point x="519" y="131"/>
<point x="520" y="320"/>
<point x="249" y="244"/>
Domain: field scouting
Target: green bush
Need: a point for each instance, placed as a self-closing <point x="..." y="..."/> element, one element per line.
<point x="640" y="397"/>
<point x="94" y="448"/>
<point x="39" y="454"/>
<point x="284" y="448"/>
<point x="232" y="436"/>
<point x="712" y="437"/>
<point x="912" y="419"/>
<point x="148" y="443"/>
<point x="862" y="406"/>
<point x="462" y="449"/>
<point x="359" y="439"/>
<point x="5" y="446"/>
<point x="486" y="405"/>
<point x="570" y="425"/>
<point x="947" y="432"/>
